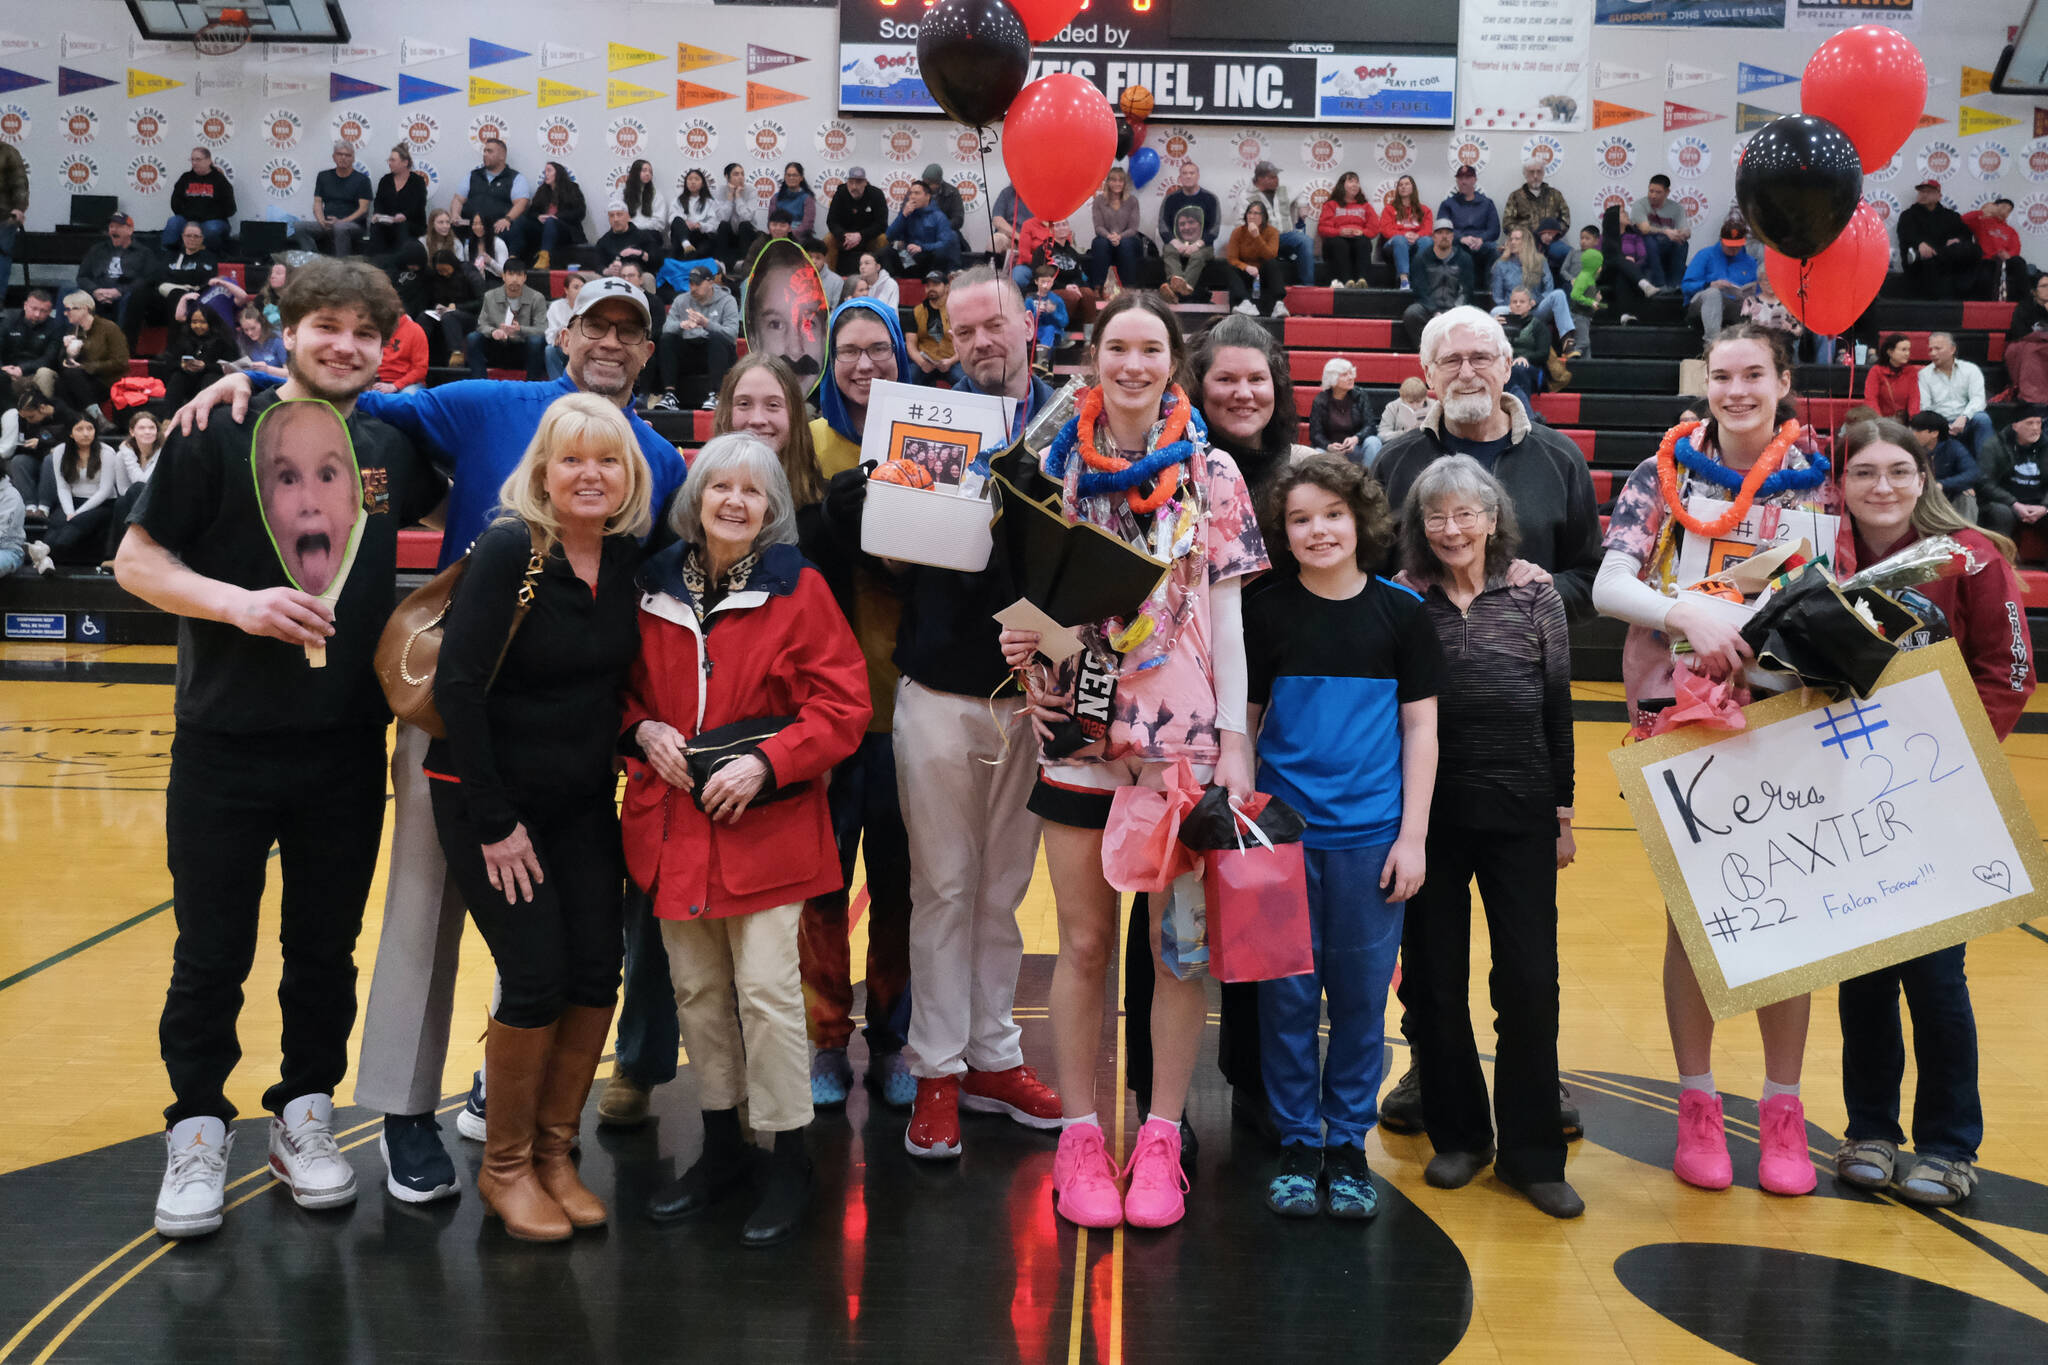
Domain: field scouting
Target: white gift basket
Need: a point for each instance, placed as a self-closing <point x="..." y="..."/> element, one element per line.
<point x="936" y="527"/>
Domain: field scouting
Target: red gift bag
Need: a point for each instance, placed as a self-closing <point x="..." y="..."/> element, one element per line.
<point x="1141" y="847"/>
<point x="1257" y="897"/>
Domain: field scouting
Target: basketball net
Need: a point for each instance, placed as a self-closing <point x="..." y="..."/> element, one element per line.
<point x="224" y="35"/>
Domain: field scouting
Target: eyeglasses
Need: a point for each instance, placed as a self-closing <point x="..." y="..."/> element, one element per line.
<point x="597" y="329"/>
<point x="875" y="355"/>
<point x="1479" y="361"/>
<point x="1465" y="518"/>
<point x="1868" y="476"/>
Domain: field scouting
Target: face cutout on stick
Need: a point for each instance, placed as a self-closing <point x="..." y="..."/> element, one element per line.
<point x="786" y="310"/>
<point x="310" y="492"/>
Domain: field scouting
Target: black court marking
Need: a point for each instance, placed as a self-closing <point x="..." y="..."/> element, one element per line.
<point x="86" y="671"/>
<point x="1777" y="1307"/>
<point x="101" y="937"/>
<point x="2033" y="932"/>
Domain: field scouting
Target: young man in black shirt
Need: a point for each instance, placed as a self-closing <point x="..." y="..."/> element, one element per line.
<point x="271" y="747"/>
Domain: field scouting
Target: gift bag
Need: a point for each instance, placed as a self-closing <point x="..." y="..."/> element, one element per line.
<point x="1141" y="847"/>
<point x="1184" y="927"/>
<point x="1257" y="900"/>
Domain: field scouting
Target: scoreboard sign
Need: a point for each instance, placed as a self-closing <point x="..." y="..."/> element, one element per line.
<point x="1117" y="45"/>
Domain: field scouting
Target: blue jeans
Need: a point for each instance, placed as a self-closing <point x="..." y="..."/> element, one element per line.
<point x="648" y="1036"/>
<point x="1367" y="452"/>
<point x="1525" y="381"/>
<point x="1977" y="431"/>
<point x="478" y="346"/>
<point x="1948" y="1116"/>
<point x="1665" y="266"/>
<point x="8" y="232"/>
<point x="557" y="362"/>
<point x="216" y="230"/>
<point x="1555" y="305"/>
<point x="1558" y="252"/>
<point x="11" y="560"/>
<point x="1295" y="246"/>
<point x="1400" y="249"/>
<point x="1357" y="936"/>
<point x="1124" y="255"/>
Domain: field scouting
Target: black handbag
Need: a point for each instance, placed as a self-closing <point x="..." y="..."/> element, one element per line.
<point x="715" y="748"/>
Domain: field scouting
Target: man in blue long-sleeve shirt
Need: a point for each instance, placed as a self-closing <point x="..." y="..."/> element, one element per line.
<point x="477" y="431"/>
<point x="1955" y="469"/>
<point x="1475" y="221"/>
<point x="1716" y="278"/>
<point x="922" y="236"/>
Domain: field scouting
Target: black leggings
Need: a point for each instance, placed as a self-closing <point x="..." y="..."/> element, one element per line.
<point x="1272" y="286"/>
<point x="563" y="947"/>
<point x="1349" y="258"/>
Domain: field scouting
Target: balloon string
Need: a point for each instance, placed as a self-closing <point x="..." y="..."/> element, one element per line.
<point x="988" y="198"/>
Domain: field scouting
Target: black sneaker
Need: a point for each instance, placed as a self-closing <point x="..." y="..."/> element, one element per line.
<point x="417" y="1166"/>
<point x="665" y="402"/>
<point x="1293" y="1192"/>
<point x="470" y="1122"/>
<point x="710" y="402"/>
<point x="1401" y="1107"/>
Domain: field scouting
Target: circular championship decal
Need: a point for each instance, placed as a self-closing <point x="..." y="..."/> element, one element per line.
<point x="428" y="170"/>
<point x="1248" y="145"/>
<point x="147" y="125"/>
<point x="1989" y="159"/>
<point x="696" y="137"/>
<point x="1939" y="159"/>
<point x="2031" y="216"/>
<point x="765" y="186"/>
<point x="1467" y="149"/>
<point x="79" y="172"/>
<point x="896" y="185"/>
<point x="420" y="131"/>
<point x="281" y="129"/>
<point x="966" y="147"/>
<point x="1891" y="170"/>
<point x="1604" y="201"/>
<point x="2033" y="161"/>
<point x="1174" y="146"/>
<point x="902" y="143"/>
<point x="353" y="127"/>
<point x="1690" y="157"/>
<point x="1695" y="203"/>
<point x="558" y="135"/>
<point x="1317" y="189"/>
<point x="15" y="123"/>
<point x="1615" y="156"/>
<point x="148" y="175"/>
<point x="626" y="136"/>
<point x="1885" y="204"/>
<point x="1546" y="149"/>
<point x="78" y="125"/>
<point x="213" y="127"/>
<point x="1322" y="150"/>
<point x="281" y="177"/>
<point x="766" y="139"/>
<point x="834" y="139"/>
<point x="1395" y="153"/>
<point x="829" y="186"/>
<point x="484" y="127"/>
<point x="972" y="191"/>
<point x="224" y="166"/>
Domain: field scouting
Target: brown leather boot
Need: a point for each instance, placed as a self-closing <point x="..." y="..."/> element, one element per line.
<point x="515" y="1060"/>
<point x="580" y="1036"/>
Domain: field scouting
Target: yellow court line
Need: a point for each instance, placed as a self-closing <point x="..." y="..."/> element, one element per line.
<point x="1080" y="1291"/>
<point x="169" y="1245"/>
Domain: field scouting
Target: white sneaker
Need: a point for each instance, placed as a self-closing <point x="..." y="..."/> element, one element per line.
<point x="303" y="1154"/>
<point x="1279" y="310"/>
<point x="195" y="1178"/>
<point x="39" y="557"/>
<point x="1247" y="307"/>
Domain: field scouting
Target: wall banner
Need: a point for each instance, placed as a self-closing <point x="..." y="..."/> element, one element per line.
<point x="1532" y="58"/>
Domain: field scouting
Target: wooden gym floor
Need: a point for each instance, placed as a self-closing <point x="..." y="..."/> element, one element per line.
<point x="906" y="1259"/>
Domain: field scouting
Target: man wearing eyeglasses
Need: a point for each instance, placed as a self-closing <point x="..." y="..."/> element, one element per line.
<point x="475" y="431"/>
<point x="1466" y="361"/>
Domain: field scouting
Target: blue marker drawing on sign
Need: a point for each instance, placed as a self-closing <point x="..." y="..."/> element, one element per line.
<point x="1839" y="739"/>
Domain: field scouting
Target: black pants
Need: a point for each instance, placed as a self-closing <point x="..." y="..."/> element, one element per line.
<point x="1413" y="319"/>
<point x="710" y="355"/>
<point x="731" y="242"/>
<point x="1237" y="1042"/>
<point x="563" y="947"/>
<point x="1272" y="285"/>
<point x="1517" y="876"/>
<point x="1349" y="258"/>
<point x="78" y="388"/>
<point x="318" y="796"/>
<point x="1948" y="274"/>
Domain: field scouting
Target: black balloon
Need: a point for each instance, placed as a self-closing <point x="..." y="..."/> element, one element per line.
<point x="973" y="55"/>
<point x="1798" y="184"/>
<point x="1123" y="137"/>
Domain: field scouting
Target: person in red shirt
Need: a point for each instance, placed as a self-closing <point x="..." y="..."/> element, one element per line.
<point x="2005" y="272"/>
<point x="1404" y="222"/>
<point x="404" y="365"/>
<point x="1890" y="495"/>
<point x="1347" y="226"/>
<point x="1893" y="387"/>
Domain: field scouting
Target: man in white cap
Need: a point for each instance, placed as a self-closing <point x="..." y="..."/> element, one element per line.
<point x="623" y="242"/>
<point x="477" y="430"/>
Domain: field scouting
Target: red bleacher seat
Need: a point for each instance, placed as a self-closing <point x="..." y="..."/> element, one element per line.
<point x="504" y="374"/>
<point x="701" y="422"/>
<point x="910" y="293"/>
<point x="1558" y="409"/>
<point x="233" y="270"/>
<point x="1995" y="354"/>
<point x="2035" y="584"/>
<point x="419" y="549"/>
<point x="1311" y="301"/>
<point x="1987" y="317"/>
<point x="151" y="340"/>
<point x="138" y="369"/>
<point x="1581" y="438"/>
<point x="1374" y="367"/>
<point x="1341" y="334"/>
<point x="1607" y="484"/>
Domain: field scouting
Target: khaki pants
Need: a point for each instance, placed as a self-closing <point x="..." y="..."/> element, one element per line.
<point x="972" y="850"/>
<point x="758" y="1055"/>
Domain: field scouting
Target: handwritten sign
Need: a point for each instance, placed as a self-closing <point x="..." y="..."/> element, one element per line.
<point x="1829" y="839"/>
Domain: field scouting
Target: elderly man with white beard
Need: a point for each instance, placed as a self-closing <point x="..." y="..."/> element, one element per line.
<point x="1466" y="360"/>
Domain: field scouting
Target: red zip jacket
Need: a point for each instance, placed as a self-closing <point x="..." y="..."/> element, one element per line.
<point x="777" y="646"/>
<point x="1989" y="620"/>
<point x="1893" y="395"/>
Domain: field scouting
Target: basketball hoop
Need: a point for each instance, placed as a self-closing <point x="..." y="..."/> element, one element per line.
<point x="224" y="35"/>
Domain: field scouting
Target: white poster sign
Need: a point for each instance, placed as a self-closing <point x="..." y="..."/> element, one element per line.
<point x="1525" y="64"/>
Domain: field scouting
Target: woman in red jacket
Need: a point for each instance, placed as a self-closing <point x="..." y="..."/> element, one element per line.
<point x="1893" y="387"/>
<point x="745" y="661"/>
<point x="1347" y="226"/>
<point x="1892" y="498"/>
<point x="1404" y="222"/>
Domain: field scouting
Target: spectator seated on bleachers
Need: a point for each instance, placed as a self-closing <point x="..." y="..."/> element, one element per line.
<point x="873" y="281"/>
<point x="13" y="204"/>
<point x="193" y="357"/>
<point x="694" y="230"/>
<point x="1048" y="312"/>
<point x="2026" y="344"/>
<point x="559" y="209"/>
<point x="495" y="201"/>
<point x="1533" y="201"/>
<point x="621" y="241"/>
<point x="1936" y="246"/>
<point x="115" y="272"/>
<point x="39" y="428"/>
<point x="1253" y="254"/>
<point x="1404" y="222"/>
<point x="559" y="313"/>
<point x="1439" y="280"/>
<point x="1342" y="421"/>
<point x="262" y="349"/>
<point x="2004" y="273"/>
<point x="2012" y="484"/>
<point x="1118" y="243"/>
<point x="404" y="366"/>
<point x="1954" y="387"/>
<point x="1955" y="469"/>
<point x="1723" y="274"/>
<point x="453" y="298"/>
<point x="944" y="195"/>
<point x="1406" y="412"/>
<point x="1186" y="256"/>
<point x="30" y="339"/>
<point x="80" y="482"/>
<point x="1530" y="335"/>
<point x="398" y="210"/>
<point x="13" y="529"/>
<point x="924" y="240"/>
<point x="1666" y="231"/>
<point x="1189" y="194"/>
<point x="95" y="354"/>
<point x="1475" y="220"/>
<point x="202" y="195"/>
<point x="931" y="339"/>
<point x="1893" y="387"/>
<point x="342" y="195"/>
<point x="700" y="337"/>
<point x="1347" y="226"/>
<point x="1285" y="213"/>
<point x="510" y="331"/>
<point x="183" y="276"/>
<point x="739" y="216"/>
<point x="858" y="218"/>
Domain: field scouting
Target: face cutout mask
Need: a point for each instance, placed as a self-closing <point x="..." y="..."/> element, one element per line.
<point x="786" y="310"/>
<point x="310" y="493"/>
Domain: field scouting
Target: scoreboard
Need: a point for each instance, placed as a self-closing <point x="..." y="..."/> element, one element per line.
<point x="1407" y="76"/>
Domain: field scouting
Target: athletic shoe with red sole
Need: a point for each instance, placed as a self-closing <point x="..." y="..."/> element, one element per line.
<point x="934" y="1130"/>
<point x="1016" y="1093"/>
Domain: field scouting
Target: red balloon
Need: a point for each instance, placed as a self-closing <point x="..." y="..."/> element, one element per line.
<point x="1059" y="140"/>
<point x="1840" y="282"/>
<point x="1870" y="82"/>
<point x="1043" y="19"/>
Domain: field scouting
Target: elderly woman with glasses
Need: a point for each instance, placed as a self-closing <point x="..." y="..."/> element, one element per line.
<point x="748" y="688"/>
<point x="1502" y="813"/>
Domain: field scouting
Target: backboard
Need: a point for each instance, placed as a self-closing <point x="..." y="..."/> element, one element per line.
<point x="266" y="21"/>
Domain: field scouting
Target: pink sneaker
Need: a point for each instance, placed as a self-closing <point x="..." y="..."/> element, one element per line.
<point x="1157" y="1181"/>
<point x="1783" y="1165"/>
<point x="1702" y="1157"/>
<point x="1084" y="1179"/>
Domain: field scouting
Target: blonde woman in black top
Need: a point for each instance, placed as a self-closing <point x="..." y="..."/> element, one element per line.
<point x="1502" y="812"/>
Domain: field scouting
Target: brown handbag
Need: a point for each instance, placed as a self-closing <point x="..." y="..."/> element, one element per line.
<point x="410" y="647"/>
